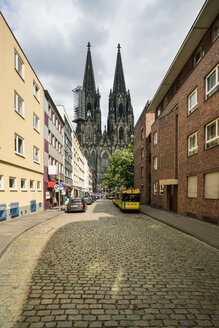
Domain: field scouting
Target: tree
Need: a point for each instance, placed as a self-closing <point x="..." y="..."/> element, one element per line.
<point x="120" y="171"/>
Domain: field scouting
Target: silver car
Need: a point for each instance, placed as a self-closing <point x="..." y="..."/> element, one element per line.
<point x="76" y="205"/>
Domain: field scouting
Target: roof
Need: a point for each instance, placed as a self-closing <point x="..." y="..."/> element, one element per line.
<point x="202" y="23"/>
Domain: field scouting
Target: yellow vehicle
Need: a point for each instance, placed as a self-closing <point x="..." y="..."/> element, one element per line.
<point x="116" y="198"/>
<point x="129" y="200"/>
<point x="110" y="196"/>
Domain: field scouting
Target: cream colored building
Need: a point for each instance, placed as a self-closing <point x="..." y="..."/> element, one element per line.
<point x="21" y="130"/>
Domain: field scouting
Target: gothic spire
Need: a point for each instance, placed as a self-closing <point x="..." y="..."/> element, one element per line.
<point x="89" y="82"/>
<point x="119" y="80"/>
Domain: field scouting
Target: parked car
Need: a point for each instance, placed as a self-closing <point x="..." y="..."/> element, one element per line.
<point x="76" y="205"/>
<point x="88" y="200"/>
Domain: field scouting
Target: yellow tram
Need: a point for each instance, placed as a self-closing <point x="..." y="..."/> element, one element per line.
<point x="129" y="200"/>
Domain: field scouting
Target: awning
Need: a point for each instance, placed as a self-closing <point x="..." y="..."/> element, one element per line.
<point x="167" y="182"/>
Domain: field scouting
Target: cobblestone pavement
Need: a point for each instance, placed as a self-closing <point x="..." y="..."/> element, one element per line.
<point x="104" y="268"/>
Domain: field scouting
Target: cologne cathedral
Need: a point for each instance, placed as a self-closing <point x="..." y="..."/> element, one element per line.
<point x="98" y="146"/>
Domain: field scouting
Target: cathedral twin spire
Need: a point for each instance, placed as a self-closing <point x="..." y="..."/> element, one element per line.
<point x="89" y="81"/>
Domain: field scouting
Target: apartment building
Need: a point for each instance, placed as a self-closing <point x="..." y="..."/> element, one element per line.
<point x="78" y="168"/>
<point x="142" y="154"/>
<point x="53" y="153"/>
<point x="68" y="151"/>
<point x="21" y="130"/>
<point x="185" y="134"/>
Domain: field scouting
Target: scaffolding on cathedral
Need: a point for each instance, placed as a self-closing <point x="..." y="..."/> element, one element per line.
<point x="79" y="104"/>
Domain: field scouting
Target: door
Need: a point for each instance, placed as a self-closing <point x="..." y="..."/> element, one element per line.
<point x="172" y="194"/>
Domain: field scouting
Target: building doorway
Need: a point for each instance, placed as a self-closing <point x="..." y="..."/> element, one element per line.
<point x="172" y="196"/>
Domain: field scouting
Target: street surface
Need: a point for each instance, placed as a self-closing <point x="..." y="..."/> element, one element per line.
<point x="104" y="268"/>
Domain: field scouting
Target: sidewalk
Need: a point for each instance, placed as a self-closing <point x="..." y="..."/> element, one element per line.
<point x="12" y="229"/>
<point x="206" y="232"/>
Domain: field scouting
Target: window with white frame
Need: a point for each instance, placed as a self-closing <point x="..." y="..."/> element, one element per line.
<point x="212" y="185"/>
<point x="193" y="101"/>
<point x="36" y="154"/>
<point x="155" y="163"/>
<point x="18" y="145"/>
<point x="1" y="182"/>
<point x="39" y="185"/>
<point x="32" y="185"/>
<point x="212" y="134"/>
<point x="23" y="184"/>
<point x="36" y="91"/>
<point x="192" y="186"/>
<point x="161" y="191"/>
<point x="155" y="138"/>
<point x="36" y="122"/>
<point x="212" y="82"/>
<point x="18" y="104"/>
<point x="54" y="118"/>
<point x="49" y="136"/>
<point x="155" y="188"/>
<point x="53" y="141"/>
<point x="12" y="183"/>
<point x="18" y="64"/>
<point x="193" y="144"/>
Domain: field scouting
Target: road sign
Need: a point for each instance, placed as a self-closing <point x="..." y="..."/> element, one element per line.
<point x="61" y="186"/>
<point x="56" y="187"/>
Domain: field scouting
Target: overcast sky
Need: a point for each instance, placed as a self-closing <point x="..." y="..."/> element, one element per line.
<point x="54" y="35"/>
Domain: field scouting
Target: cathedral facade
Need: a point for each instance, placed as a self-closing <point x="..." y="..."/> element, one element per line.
<point x="98" y="146"/>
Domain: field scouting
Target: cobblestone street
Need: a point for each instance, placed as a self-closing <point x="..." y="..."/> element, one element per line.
<point x="104" y="268"/>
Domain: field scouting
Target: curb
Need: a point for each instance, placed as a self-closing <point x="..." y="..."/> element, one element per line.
<point x="192" y="234"/>
<point x="22" y="232"/>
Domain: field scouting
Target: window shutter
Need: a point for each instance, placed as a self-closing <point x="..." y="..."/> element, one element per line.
<point x="192" y="186"/>
<point x="212" y="185"/>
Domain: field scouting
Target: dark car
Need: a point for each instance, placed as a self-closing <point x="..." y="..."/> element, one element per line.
<point x="76" y="205"/>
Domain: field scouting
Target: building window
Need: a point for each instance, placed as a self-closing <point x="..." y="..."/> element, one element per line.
<point x="193" y="101"/>
<point x="12" y="183"/>
<point x="212" y="185"/>
<point x="161" y="191"/>
<point x="18" y="145"/>
<point x="215" y="30"/>
<point x="155" y="188"/>
<point x="18" y="104"/>
<point x="53" y="141"/>
<point x="155" y="138"/>
<point x="142" y="152"/>
<point x="49" y="136"/>
<point x="198" y="55"/>
<point x="142" y="134"/>
<point x="212" y="134"/>
<point x="142" y="171"/>
<point x="121" y="134"/>
<point x="39" y="185"/>
<point x="212" y="82"/>
<point x="192" y="186"/>
<point x="36" y="154"/>
<point x="36" y="122"/>
<point x="1" y="182"/>
<point x="18" y="64"/>
<point x="155" y="163"/>
<point x="36" y="91"/>
<point x="32" y="185"/>
<point x="193" y="144"/>
<point x="23" y="184"/>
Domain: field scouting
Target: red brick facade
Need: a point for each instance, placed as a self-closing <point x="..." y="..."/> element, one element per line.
<point x="180" y="170"/>
<point x="142" y="156"/>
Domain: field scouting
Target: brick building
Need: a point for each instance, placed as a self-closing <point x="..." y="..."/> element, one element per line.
<point x="185" y="134"/>
<point x="142" y="154"/>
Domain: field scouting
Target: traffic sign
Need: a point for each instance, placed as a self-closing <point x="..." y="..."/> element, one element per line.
<point x="56" y="187"/>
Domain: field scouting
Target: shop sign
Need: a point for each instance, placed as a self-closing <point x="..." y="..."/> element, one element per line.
<point x="47" y="195"/>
